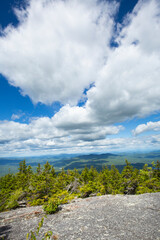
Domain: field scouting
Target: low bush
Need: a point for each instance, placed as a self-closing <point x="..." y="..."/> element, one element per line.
<point x="52" y="205"/>
<point x="13" y="199"/>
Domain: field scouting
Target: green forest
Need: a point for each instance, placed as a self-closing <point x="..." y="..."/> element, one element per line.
<point x="50" y="189"/>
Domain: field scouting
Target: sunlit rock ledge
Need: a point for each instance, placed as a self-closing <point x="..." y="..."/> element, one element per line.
<point x="112" y="217"/>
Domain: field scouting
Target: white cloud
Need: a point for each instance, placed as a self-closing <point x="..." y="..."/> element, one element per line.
<point x="57" y="49"/>
<point x="149" y="126"/>
<point x="60" y="48"/>
<point x="17" y="116"/>
<point x="129" y="84"/>
<point x="42" y="136"/>
<point x="50" y="134"/>
<point x="50" y="144"/>
<point x="143" y="24"/>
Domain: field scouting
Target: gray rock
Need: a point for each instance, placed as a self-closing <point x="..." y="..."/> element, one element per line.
<point x="109" y="217"/>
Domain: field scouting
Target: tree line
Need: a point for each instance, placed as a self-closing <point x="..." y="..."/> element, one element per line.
<point x="46" y="187"/>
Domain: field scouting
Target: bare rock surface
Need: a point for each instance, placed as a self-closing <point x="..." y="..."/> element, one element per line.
<point x="108" y="217"/>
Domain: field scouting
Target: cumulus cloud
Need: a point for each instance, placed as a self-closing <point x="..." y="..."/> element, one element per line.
<point x="57" y="49"/>
<point x="149" y="126"/>
<point x="128" y="85"/>
<point x="42" y="137"/>
<point x="141" y="25"/>
<point x="62" y="47"/>
<point x="49" y="134"/>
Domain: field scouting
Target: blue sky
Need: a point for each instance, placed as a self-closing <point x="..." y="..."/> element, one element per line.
<point x="79" y="76"/>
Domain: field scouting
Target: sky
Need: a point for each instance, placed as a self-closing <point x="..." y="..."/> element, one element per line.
<point x="79" y="76"/>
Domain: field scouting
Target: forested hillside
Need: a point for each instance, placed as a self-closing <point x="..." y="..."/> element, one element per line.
<point x="45" y="187"/>
<point x="79" y="161"/>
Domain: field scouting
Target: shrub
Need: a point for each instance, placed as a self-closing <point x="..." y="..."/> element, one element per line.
<point x="37" y="202"/>
<point x="13" y="199"/>
<point x="52" y="205"/>
<point x="87" y="189"/>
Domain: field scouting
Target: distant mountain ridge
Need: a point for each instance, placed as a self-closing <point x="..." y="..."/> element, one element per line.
<point x="79" y="161"/>
<point x="102" y="155"/>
